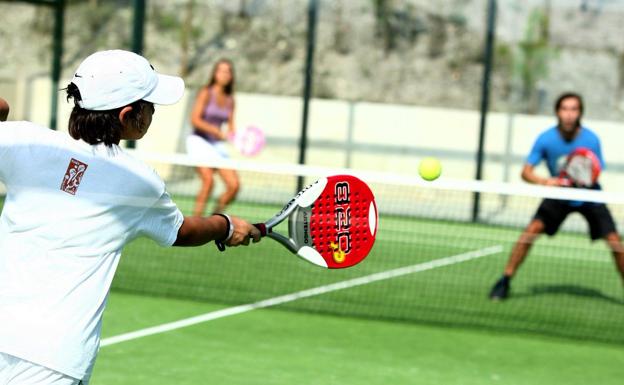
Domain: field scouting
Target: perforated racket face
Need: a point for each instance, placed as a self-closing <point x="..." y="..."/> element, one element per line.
<point x="343" y="221"/>
<point x="249" y="141"/>
<point x="582" y="167"/>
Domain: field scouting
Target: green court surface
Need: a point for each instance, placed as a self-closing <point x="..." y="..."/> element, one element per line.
<point x="414" y="312"/>
<point x="281" y="347"/>
<point x="431" y="326"/>
<point x="568" y="287"/>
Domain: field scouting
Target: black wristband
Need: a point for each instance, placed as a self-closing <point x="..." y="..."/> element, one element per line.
<point x="228" y="232"/>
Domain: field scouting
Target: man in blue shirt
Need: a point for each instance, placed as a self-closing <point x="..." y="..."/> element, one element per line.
<point x="553" y="146"/>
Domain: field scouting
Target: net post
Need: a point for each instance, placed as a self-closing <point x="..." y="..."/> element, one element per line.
<point x="57" y="55"/>
<point x="485" y="99"/>
<point x="138" y="28"/>
<point x="307" y="88"/>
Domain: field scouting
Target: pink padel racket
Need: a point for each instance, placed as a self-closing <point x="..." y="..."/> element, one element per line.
<point x="331" y="223"/>
<point x="249" y="141"/>
<point x="582" y="169"/>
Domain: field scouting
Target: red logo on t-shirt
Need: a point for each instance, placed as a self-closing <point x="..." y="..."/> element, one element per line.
<point x="73" y="176"/>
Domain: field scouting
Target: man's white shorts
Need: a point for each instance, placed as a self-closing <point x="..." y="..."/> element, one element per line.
<point x="16" y="371"/>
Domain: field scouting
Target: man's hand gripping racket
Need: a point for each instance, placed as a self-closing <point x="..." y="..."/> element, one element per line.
<point x="331" y="223"/>
<point x="582" y="169"/>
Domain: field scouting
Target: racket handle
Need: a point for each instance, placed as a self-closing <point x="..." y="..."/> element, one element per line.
<point x="262" y="227"/>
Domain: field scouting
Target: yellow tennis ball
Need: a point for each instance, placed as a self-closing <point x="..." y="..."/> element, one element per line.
<point x="429" y="168"/>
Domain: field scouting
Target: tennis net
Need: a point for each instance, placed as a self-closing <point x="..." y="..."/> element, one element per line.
<point x="430" y="264"/>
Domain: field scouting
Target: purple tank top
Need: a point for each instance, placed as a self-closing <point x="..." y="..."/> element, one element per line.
<point x="215" y="114"/>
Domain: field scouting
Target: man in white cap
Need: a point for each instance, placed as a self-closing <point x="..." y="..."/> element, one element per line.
<point x="72" y="204"/>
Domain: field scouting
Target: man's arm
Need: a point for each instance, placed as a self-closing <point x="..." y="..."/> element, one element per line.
<point x="529" y="175"/>
<point x="4" y="110"/>
<point x="196" y="231"/>
<point x="536" y="155"/>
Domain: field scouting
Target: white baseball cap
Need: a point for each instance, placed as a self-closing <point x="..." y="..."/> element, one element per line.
<point x="112" y="79"/>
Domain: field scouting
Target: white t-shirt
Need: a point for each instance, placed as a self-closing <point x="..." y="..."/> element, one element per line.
<point x="69" y="210"/>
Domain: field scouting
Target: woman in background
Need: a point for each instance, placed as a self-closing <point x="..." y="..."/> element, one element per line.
<point x="214" y="106"/>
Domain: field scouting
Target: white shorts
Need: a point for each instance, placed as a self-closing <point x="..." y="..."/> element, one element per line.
<point x="202" y="150"/>
<point x="16" y="371"/>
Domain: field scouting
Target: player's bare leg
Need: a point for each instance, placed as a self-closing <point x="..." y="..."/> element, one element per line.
<point x="523" y="245"/>
<point x="518" y="254"/>
<point x="232" y="185"/>
<point x="615" y="244"/>
<point x="205" y="190"/>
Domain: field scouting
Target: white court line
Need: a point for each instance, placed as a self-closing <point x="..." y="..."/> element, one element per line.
<point x="304" y="294"/>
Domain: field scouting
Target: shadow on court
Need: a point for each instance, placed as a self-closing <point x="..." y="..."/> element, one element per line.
<point x="575" y="290"/>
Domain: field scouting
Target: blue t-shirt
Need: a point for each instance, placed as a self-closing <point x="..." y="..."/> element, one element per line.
<point x="554" y="149"/>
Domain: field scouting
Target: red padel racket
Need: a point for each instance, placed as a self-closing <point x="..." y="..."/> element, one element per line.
<point x="582" y="168"/>
<point x="331" y="223"/>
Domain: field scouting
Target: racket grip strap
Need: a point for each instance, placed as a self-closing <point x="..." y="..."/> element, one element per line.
<point x="262" y="227"/>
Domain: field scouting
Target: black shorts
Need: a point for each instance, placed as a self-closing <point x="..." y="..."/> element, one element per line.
<point x="553" y="212"/>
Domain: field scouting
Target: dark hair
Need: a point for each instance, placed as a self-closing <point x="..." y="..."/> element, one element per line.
<point x="96" y="127"/>
<point x="568" y="95"/>
<point x="229" y="88"/>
